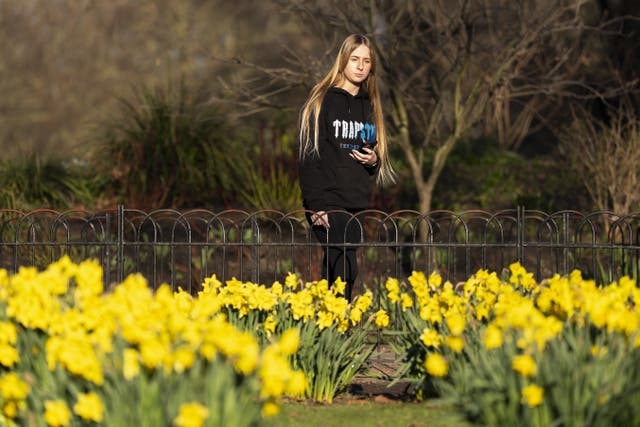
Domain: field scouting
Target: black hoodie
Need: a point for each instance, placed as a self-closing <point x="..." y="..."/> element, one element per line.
<point x="334" y="180"/>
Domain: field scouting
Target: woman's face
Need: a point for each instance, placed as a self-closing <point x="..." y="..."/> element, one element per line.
<point x="358" y="65"/>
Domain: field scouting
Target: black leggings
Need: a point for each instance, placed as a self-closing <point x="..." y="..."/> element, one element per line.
<point x="339" y="260"/>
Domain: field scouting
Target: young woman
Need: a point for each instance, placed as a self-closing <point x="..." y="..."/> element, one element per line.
<point x="343" y="144"/>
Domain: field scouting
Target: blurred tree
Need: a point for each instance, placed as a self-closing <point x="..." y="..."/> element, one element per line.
<point x="456" y="70"/>
<point x="605" y="154"/>
<point x="600" y="139"/>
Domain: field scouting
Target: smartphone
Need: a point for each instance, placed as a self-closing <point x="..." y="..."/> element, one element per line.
<point x="367" y="144"/>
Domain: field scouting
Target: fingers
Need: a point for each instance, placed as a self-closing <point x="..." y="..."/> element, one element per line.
<point x="369" y="158"/>
<point x="359" y="156"/>
<point x="320" y="218"/>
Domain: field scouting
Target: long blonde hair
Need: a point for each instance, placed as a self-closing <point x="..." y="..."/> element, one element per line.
<point x="311" y="108"/>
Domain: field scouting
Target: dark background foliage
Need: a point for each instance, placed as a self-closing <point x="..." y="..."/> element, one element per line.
<point x="193" y="104"/>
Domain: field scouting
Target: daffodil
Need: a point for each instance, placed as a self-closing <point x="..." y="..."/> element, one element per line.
<point x="183" y="358"/>
<point x="532" y="395"/>
<point x="269" y="325"/>
<point x="405" y="301"/>
<point x="431" y="338"/>
<point x="289" y="342"/>
<point x="524" y="365"/>
<point x="456" y="323"/>
<point x="191" y="414"/>
<point x="297" y="384"/>
<point x="56" y="413"/>
<point x="89" y="407"/>
<point x="291" y="281"/>
<point x="8" y="333"/>
<point x="393" y="289"/>
<point x="436" y="365"/>
<point x="455" y="343"/>
<point x="270" y="409"/>
<point x="131" y="363"/>
<point x="381" y="319"/>
<point x="12" y="387"/>
<point x="8" y="355"/>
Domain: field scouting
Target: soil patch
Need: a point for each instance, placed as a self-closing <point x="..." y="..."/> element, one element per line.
<point x="375" y="383"/>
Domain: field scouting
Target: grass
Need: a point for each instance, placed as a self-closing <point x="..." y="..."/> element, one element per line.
<point x="379" y="412"/>
<point x="371" y="402"/>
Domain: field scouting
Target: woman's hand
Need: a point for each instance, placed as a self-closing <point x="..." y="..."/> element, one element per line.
<point x="320" y="218"/>
<point x="367" y="158"/>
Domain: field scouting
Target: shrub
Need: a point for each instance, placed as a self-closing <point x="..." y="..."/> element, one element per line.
<point x="167" y="148"/>
<point x="33" y="182"/>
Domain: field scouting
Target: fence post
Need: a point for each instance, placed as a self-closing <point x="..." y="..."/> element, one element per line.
<point x="120" y="244"/>
<point x="565" y="243"/>
<point x="520" y="234"/>
<point x="106" y="266"/>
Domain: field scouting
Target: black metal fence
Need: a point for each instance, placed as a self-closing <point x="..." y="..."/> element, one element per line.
<point x="182" y="248"/>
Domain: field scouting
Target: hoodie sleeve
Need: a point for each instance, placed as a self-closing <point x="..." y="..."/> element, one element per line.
<point x="311" y="173"/>
<point x="373" y="169"/>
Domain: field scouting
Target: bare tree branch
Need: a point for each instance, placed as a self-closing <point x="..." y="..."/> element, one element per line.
<point x="453" y="69"/>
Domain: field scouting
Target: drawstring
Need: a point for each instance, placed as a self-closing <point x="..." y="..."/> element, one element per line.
<point x="361" y="102"/>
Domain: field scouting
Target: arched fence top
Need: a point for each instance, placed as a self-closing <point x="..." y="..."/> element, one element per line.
<point x="177" y="246"/>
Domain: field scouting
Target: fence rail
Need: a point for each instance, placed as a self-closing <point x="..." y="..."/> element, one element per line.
<point x="182" y="248"/>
